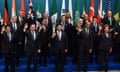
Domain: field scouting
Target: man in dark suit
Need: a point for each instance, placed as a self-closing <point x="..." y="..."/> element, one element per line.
<point x="95" y="29"/>
<point x="117" y="42"/>
<point x="49" y="27"/>
<point x="15" y="28"/>
<point x="8" y="48"/>
<point x="1" y="25"/>
<point x="44" y="36"/>
<point x="60" y="48"/>
<point x="110" y="20"/>
<point x="33" y="45"/>
<point x="64" y="24"/>
<point x="85" y="45"/>
<point x="21" y="20"/>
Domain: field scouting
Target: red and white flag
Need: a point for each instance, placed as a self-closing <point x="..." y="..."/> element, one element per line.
<point x="13" y="8"/>
<point x="91" y="11"/>
<point x="23" y="7"/>
<point x="99" y="16"/>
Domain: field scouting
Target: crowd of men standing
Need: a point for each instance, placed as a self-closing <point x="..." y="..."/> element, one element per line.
<point x="36" y="38"/>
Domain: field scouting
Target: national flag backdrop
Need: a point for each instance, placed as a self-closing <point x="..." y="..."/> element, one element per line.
<point x="22" y="8"/>
<point x="54" y="12"/>
<point x="99" y="15"/>
<point x="6" y="15"/>
<point x="47" y="6"/>
<point x="13" y="8"/>
<point x="77" y="12"/>
<point x="70" y="8"/>
<point x="116" y="10"/>
<point x="38" y="7"/>
<point x="63" y="8"/>
<point x="84" y="9"/>
<point x="91" y="11"/>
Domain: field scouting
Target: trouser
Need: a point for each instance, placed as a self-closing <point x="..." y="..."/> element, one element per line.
<point x="29" y="59"/>
<point x="59" y="62"/>
<point x="83" y="53"/>
<point x="9" y="60"/>
<point x="43" y="55"/>
<point x="104" y="58"/>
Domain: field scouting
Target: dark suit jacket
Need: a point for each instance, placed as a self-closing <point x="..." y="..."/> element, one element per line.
<point x="22" y="23"/>
<point x="60" y="46"/>
<point x="106" y="21"/>
<point x="7" y="45"/>
<point x="44" y="36"/>
<point x="17" y="34"/>
<point x="117" y="37"/>
<point x="85" y="40"/>
<point x="105" y="43"/>
<point x="31" y="44"/>
<point x="95" y="35"/>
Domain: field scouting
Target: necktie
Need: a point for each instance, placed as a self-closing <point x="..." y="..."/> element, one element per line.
<point x="110" y="21"/>
<point x="95" y="27"/>
<point x="63" y="26"/>
<point x="33" y="34"/>
<point x="14" y="27"/>
<point x="59" y="35"/>
<point x="87" y="31"/>
<point x="9" y="36"/>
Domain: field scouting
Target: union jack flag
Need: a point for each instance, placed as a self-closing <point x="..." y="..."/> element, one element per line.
<point x="109" y="5"/>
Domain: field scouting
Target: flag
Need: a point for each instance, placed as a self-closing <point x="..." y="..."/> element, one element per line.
<point x="109" y="4"/>
<point x="13" y="8"/>
<point x="116" y="10"/>
<point x="6" y="16"/>
<point x="77" y="12"/>
<point x="23" y="7"/>
<point x="84" y="8"/>
<point x="47" y="7"/>
<point x="70" y="8"/>
<point x="38" y="7"/>
<point x="54" y="12"/>
<point x="91" y="11"/>
<point x="63" y="8"/>
<point x="0" y="16"/>
<point x="99" y="16"/>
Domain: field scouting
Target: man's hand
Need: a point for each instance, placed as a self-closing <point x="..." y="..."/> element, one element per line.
<point x="111" y="30"/>
<point x="3" y="29"/>
<point x="39" y="51"/>
<point x="110" y="50"/>
<point x="79" y="30"/>
<point x="53" y="34"/>
<point x="49" y="45"/>
<point x="90" y="50"/>
<point x="100" y="28"/>
<point x="26" y="26"/>
<point x="116" y="33"/>
<point x="66" y="50"/>
<point x="20" y="43"/>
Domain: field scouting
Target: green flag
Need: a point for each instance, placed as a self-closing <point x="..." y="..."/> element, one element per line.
<point x="38" y="8"/>
<point x="84" y="8"/>
<point x="116" y="10"/>
<point x="54" y="14"/>
<point x="77" y="12"/>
